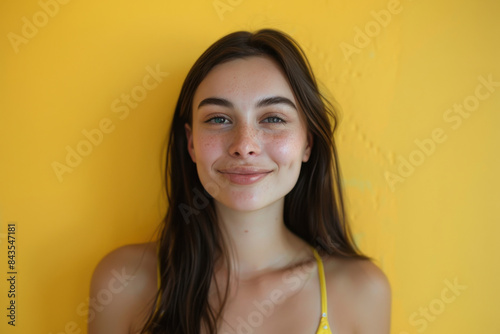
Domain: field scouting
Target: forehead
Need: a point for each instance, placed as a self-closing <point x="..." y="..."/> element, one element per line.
<point x="245" y="80"/>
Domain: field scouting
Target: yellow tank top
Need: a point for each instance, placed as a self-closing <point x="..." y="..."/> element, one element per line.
<point x="324" y="326"/>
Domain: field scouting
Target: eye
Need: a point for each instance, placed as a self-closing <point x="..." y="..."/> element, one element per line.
<point x="218" y="120"/>
<point x="273" y="119"/>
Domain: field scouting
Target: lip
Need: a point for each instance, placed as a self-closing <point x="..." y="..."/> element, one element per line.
<point x="244" y="175"/>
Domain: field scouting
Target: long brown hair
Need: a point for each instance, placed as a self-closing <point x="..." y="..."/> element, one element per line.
<point x="191" y="240"/>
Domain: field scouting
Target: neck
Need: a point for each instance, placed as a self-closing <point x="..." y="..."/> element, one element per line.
<point x="260" y="240"/>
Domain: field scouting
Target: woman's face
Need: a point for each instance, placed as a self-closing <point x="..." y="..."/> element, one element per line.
<point x="248" y="137"/>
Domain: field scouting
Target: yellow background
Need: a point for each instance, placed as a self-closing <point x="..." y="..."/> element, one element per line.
<point x="437" y="225"/>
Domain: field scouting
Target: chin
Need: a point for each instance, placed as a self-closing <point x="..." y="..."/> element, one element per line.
<point x="244" y="203"/>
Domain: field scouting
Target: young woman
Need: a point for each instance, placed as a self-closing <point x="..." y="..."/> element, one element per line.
<point x="255" y="239"/>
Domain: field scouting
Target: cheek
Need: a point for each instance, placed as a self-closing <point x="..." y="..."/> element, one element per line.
<point x="287" y="150"/>
<point x="207" y="148"/>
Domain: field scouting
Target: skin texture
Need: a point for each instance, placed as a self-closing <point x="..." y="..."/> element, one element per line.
<point x="272" y="139"/>
<point x="248" y="157"/>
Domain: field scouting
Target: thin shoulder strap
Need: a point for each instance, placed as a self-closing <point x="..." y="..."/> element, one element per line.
<point x="322" y="282"/>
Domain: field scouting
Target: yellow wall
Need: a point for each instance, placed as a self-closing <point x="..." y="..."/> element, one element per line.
<point x="430" y="224"/>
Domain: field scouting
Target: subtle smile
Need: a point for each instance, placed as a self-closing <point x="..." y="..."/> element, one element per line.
<point x="244" y="175"/>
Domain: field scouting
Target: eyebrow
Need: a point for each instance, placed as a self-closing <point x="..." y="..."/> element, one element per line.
<point x="267" y="101"/>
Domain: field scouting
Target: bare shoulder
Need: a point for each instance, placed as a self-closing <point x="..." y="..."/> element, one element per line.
<point x="361" y="275"/>
<point x="122" y="289"/>
<point x="362" y="291"/>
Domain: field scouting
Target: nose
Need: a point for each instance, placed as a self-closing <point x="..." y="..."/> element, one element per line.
<point x="245" y="142"/>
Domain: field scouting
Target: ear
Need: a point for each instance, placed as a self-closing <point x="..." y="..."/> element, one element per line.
<point x="189" y="137"/>
<point x="307" y="151"/>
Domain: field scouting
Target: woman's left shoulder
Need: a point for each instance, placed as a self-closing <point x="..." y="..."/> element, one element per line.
<point x="360" y="274"/>
<point x="363" y="288"/>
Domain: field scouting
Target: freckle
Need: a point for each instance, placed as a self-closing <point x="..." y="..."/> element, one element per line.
<point x="246" y="231"/>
